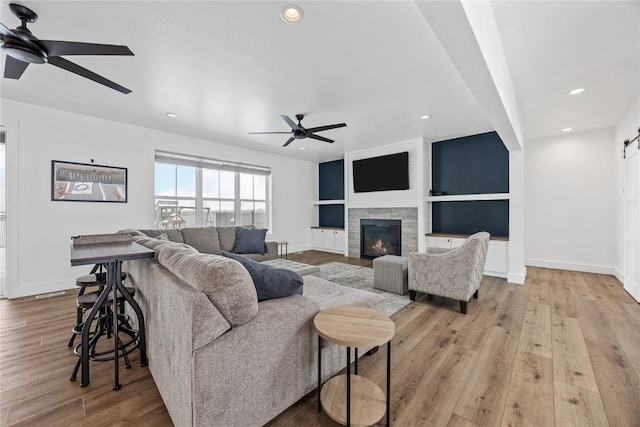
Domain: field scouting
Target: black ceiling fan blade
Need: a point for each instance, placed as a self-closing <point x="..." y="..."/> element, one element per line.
<point x="268" y="133"/>
<point x="327" y="127"/>
<point x="57" y="48"/>
<point x="13" y="68"/>
<point x="320" y="138"/>
<point x="289" y="141"/>
<point x="76" y="69"/>
<point x="290" y="122"/>
<point x="4" y="31"/>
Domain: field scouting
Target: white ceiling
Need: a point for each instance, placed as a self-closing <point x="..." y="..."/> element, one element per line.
<point x="229" y="68"/>
<point x="552" y="47"/>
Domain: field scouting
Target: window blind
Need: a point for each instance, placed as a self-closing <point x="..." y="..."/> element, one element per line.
<point x="204" y="162"/>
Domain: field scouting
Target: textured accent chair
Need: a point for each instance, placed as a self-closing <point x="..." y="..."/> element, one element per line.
<point x="453" y="273"/>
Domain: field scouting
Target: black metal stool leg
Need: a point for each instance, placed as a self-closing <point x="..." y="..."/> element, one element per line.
<point x="319" y="372"/>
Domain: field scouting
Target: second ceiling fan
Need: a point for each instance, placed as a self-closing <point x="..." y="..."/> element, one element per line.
<point x="300" y="132"/>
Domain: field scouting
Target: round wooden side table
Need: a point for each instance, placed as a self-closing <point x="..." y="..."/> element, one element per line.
<point x="352" y="399"/>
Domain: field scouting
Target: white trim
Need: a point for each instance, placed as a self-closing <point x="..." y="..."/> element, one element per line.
<point x="632" y="291"/>
<point x="468" y="197"/>
<point x="618" y="274"/>
<point x="518" y="279"/>
<point x="298" y="248"/>
<point x="500" y="274"/>
<point x="328" y="202"/>
<point x="45" y="288"/>
<point x="560" y="265"/>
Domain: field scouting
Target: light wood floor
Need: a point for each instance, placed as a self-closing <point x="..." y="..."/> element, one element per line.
<point x="564" y="349"/>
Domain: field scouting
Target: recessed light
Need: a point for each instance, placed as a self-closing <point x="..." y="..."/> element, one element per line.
<point x="425" y="117"/>
<point x="567" y="129"/>
<point x="172" y="115"/>
<point x="291" y="13"/>
<point x="302" y="148"/>
<point x="576" y="91"/>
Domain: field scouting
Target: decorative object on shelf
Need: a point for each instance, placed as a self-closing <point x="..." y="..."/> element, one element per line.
<point x="82" y="182"/>
<point x="23" y="48"/>
<point x="300" y="132"/>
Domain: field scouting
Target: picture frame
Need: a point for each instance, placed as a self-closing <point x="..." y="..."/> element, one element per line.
<point x="87" y="182"/>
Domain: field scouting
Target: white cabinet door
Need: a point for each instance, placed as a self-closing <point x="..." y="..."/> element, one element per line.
<point x="339" y="241"/>
<point x="455" y="242"/>
<point x="496" y="264"/>
<point x="328" y="239"/>
<point x="316" y="238"/>
<point x="438" y="242"/>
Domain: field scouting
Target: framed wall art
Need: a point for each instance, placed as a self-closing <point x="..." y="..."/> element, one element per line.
<point x="82" y="182"/>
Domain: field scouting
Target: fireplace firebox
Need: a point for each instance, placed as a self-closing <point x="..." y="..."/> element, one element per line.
<point x="380" y="237"/>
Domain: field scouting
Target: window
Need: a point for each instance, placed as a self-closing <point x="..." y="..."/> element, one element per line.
<point x="194" y="191"/>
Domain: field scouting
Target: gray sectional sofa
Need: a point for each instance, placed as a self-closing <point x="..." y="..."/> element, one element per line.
<point x="220" y="358"/>
<point x="208" y="240"/>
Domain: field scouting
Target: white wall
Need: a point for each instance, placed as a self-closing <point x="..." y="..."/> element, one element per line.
<point x="413" y="197"/>
<point x="627" y="128"/>
<point x="380" y="199"/>
<point x="39" y="229"/>
<point x="569" y="213"/>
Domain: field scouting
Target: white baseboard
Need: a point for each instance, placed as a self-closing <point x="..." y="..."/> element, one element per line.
<point x="495" y="274"/>
<point x="45" y="288"/>
<point x="299" y="248"/>
<point x="618" y="275"/>
<point x="633" y="291"/>
<point x="586" y="268"/>
<point x="517" y="278"/>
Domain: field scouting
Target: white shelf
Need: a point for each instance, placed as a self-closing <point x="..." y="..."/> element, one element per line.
<point x="468" y="197"/>
<point x="328" y="202"/>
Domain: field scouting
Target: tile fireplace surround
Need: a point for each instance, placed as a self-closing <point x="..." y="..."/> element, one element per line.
<point x="408" y="216"/>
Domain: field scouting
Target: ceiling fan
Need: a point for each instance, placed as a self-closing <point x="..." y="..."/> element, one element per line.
<point x="300" y="132"/>
<point x="23" y="48"/>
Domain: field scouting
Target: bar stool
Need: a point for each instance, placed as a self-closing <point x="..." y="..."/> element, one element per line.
<point x="97" y="277"/>
<point x="104" y="326"/>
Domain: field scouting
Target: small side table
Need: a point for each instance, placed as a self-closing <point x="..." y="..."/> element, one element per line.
<point x="283" y="248"/>
<point x="352" y="398"/>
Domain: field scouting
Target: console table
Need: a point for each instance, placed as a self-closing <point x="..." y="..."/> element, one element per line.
<point x="99" y="250"/>
<point x="350" y="398"/>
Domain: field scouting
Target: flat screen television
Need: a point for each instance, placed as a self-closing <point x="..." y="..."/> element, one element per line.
<point x="383" y="173"/>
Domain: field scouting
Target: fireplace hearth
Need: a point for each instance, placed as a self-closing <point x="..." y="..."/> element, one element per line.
<point x="380" y="237"/>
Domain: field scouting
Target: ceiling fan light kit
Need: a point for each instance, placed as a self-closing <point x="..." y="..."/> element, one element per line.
<point x="300" y="132"/>
<point x="23" y="48"/>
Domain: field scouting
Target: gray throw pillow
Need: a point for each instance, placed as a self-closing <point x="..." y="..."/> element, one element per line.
<point x="270" y="282"/>
<point x="249" y="240"/>
<point x="204" y="239"/>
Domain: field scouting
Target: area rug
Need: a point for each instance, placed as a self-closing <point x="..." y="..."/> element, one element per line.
<point x="358" y="277"/>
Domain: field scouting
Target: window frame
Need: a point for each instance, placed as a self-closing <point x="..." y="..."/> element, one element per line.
<point x="200" y="164"/>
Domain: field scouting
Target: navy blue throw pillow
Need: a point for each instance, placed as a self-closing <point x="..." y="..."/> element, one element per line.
<point x="249" y="240"/>
<point x="270" y="282"/>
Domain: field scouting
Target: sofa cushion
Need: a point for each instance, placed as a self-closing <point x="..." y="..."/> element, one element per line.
<point x="204" y="239"/>
<point x="227" y="237"/>
<point x="249" y="241"/>
<point x="131" y="232"/>
<point x="270" y="282"/>
<point x="225" y="282"/>
<point x="173" y="235"/>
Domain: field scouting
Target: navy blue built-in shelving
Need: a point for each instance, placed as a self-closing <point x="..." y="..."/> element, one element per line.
<point x="331" y="187"/>
<point x="469" y="168"/>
